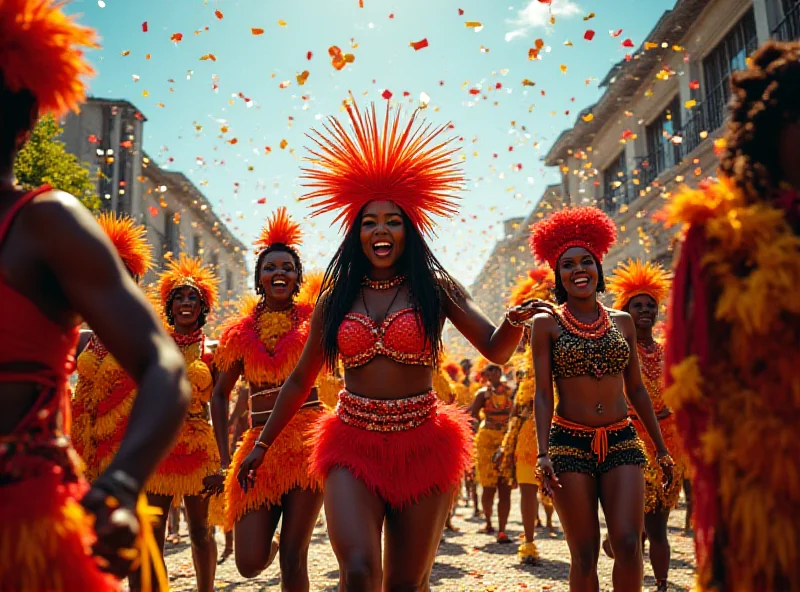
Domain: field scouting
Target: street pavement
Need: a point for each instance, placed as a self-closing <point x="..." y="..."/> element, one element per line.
<point x="467" y="561"/>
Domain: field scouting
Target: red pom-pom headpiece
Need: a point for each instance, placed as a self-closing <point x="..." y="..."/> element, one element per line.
<point x="280" y="228"/>
<point x="586" y="227"/>
<point x="375" y="162"/>
<point x="40" y="52"/>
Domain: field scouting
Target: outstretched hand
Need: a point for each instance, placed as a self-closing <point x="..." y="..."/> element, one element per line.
<point x="529" y="309"/>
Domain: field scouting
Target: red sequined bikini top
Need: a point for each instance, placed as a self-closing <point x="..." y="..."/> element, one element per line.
<point x="27" y="336"/>
<point x="399" y="337"/>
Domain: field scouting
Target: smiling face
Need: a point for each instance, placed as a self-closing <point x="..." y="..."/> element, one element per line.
<point x="383" y="234"/>
<point x="278" y="276"/>
<point x="578" y="272"/>
<point x="186" y="307"/>
<point x="643" y="310"/>
<point x="493" y="374"/>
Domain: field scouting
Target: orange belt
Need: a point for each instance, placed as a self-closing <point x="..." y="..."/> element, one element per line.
<point x="599" y="434"/>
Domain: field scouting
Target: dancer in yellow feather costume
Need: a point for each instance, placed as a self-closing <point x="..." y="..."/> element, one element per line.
<point x="639" y="289"/>
<point x="518" y="465"/>
<point x="733" y="341"/>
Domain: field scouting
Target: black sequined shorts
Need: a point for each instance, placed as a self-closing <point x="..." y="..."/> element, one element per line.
<point x="575" y="448"/>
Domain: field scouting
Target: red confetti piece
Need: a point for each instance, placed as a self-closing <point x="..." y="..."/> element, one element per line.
<point x="474" y="91"/>
<point x="627" y="134"/>
<point x="498" y="86"/>
<point x="176" y="37"/>
<point x="218" y="14"/>
<point x="460" y="12"/>
<point x="545" y="1"/>
<point x="361" y="3"/>
<point x="144" y="27"/>
<point x="694" y="84"/>
<point x="309" y="55"/>
<point x="616" y="33"/>
<point x="417" y="45"/>
<point x="406" y="93"/>
<point x="391" y="16"/>
<point x="257" y="31"/>
<point x="126" y="144"/>
<point x="386" y="94"/>
<point x="262" y="201"/>
<point x="588" y="35"/>
<point x="627" y="43"/>
<point x="153" y="211"/>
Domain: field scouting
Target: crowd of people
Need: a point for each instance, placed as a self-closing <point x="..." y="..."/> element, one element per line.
<point x="345" y="395"/>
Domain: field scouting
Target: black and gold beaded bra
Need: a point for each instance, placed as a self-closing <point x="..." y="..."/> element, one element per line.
<point x="578" y="355"/>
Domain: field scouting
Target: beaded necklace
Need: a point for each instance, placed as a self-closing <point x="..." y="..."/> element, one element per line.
<point x="383" y="284"/>
<point x="652" y="360"/>
<point x="184" y="341"/>
<point x="593" y="330"/>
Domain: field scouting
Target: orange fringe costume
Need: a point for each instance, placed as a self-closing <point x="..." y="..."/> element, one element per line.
<point x="195" y="455"/>
<point x="104" y="393"/>
<point x="732" y="380"/>
<point x="268" y="344"/>
<point x="629" y="280"/>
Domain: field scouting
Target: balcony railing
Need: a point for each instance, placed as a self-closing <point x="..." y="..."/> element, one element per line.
<point x="789" y="27"/>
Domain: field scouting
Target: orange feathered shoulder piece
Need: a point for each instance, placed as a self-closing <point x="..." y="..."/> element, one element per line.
<point x="584" y="226"/>
<point x="40" y="52"/>
<point x="280" y="228"/>
<point x="538" y="284"/>
<point x="311" y="288"/>
<point x="408" y="165"/>
<point x="189" y="272"/>
<point x="635" y="278"/>
<point x="130" y="241"/>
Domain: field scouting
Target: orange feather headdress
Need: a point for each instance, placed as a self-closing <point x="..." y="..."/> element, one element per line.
<point x="189" y="272"/>
<point x="40" y="52"/>
<point x="537" y="284"/>
<point x="130" y="241"/>
<point x="280" y="228"/>
<point x="635" y="278"/>
<point x="586" y="227"/>
<point x="406" y="165"/>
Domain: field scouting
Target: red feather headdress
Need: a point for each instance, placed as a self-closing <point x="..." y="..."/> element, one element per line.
<point x="586" y="227"/>
<point x="280" y="228"/>
<point x="40" y="52"/>
<point x="189" y="272"/>
<point x="634" y="278"/>
<point x="130" y="241"/>
<point x="537" y="284"/>
<point x="375" y="162"/>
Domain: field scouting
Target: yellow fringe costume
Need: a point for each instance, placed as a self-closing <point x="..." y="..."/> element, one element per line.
<point x="496" y="409"/>
<point x="631" y="279"/>
<point x="735" y="387"/>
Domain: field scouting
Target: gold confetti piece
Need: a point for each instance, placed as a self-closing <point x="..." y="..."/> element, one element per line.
<point x="568" y="43"/>
<point x="690" y="103"/>
<point x="302" y="77"/>
<point x="281" y="23"/>
<point x="208" y="56"/>
<point x="588" y="117"/>
<point x="527" y="82"/>
<point x="589" y="16"/>
<point x="284" y="144"/>
<point x="678" y="48"/>
<point x="160" y="105"/>
<point x="147" y="57"/>
<point x="127" y="52"/>
<point x="224" y="129"/>
<point x="703" y="135"/>
<point x="473" y="24"/>
<point x="257" y="31"/>
<point x="648" y="45"/>
<point x="145" y="93"/>
<point x="563" y="68"/>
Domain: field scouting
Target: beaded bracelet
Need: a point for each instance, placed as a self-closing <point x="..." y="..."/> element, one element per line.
<point x="515" y="324"/>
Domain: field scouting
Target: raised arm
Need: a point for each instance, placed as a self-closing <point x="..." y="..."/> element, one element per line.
<point x="101" y="291"/>
<point x="219" y="409"/>
<point x="496" y="343"/>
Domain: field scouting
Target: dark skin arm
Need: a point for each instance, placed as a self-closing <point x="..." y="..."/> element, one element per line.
<point x="542" y="330"/>
<point x="219" y="409"/>
<point x="478" y="404"/>
<point x="293" y="393"/>
<point x="96" y="284"/>
<point x="496" y="344"/>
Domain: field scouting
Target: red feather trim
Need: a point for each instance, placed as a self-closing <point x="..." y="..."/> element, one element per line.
<point x="398" y="467"/>
<point x="586" y="227"/>
<point x="382" y="162"/>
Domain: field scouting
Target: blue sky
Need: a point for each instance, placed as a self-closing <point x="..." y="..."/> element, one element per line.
<point x="506" y="130"/>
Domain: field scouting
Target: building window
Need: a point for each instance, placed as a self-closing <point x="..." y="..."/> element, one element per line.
<point x="789" y="28"/>
<point x="197" y="245"/>
<point x="170" y="234"/>
<point x="214" y="261"/>
<point x="228" y="281"/>
<point x="727" y="57"/>
<point x="663" y="147"/>
<point x="615" y="184"/>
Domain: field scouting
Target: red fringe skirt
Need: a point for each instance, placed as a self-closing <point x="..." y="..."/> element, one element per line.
<point x="402" y="450"/>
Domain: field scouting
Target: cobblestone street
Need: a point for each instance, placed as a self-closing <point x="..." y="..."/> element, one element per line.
<point x="467" y="561"/>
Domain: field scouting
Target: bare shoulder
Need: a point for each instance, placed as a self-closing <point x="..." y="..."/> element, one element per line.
<point x="544" y="322"/>
<point x="622" y="319"/>
<point x="57" y="209"/>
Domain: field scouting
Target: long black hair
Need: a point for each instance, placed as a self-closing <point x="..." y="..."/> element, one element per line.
<point x="17" y="116"/>
<point x="560" y="292"/>
<point x="427" y="281"/>
<point x="281" y="248"/>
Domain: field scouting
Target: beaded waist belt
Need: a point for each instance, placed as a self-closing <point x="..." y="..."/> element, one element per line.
<point x="376" y="415"/>
<point x="262" y="403"/>
<point x="599" y="435"/>
<point x="26" y="456"/>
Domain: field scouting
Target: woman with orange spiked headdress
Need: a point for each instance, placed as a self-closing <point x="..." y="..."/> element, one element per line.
<point x="263" y="344"/>
<point x="56" y="268"/>
<point x="103" y="385"/>
<point x="519" y="449"/>
<point x="590" y="451"/>
<point x="733" y="337"/>
<point x="188" y="293"/>
<point x="391" y="454"/>
<point x="639" y="288"/>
